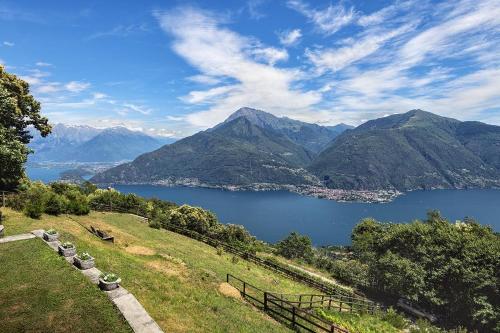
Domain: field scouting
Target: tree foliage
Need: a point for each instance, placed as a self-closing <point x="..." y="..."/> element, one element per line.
<point x="295" y="246"/>
<point x="451" y="269"/>
<point x="18" y="111"/>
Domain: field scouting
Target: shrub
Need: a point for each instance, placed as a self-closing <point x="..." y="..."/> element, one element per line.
<point x="395" y="319"/>
<point x="220" y="250"/>
<point x="36" y="197"/>
<point x="423" y="326"/>
<point x="155" y="224"/>
<point x="352" y="272"/>
<point x="56" y="204"/>
<point x="235" y="259"/>
<point x="295" y="246"/>
<point x="77" y="203"/>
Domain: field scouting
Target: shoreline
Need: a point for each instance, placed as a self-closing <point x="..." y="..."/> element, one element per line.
<point x="339" y="195"/>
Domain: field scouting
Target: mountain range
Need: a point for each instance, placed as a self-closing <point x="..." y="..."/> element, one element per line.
<point x="88" y="144"/>
<point x="413" y="150"/>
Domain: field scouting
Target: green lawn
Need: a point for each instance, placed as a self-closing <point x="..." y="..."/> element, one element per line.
<point x="41" y="292"/>
<point x="177" y="279"/>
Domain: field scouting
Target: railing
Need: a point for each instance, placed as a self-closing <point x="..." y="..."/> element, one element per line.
<point x="337" y="302"/>
<point x="281" y="309"/>
<point x="328" y="289"/>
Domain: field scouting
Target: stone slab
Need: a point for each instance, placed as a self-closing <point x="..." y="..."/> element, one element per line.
<point x="92" y="274"/>
<point x="38" y="233"/>
<point x="134" y="313"/>
<point x="115" y="293"/>
<point x="16" y="238"/>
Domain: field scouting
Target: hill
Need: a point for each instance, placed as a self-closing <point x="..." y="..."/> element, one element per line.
<point x="177" y="279"/>
<point x="310" y="136"/>
<point x="414" y="150"/>
<point x="236" y="152"/>
<point x="88" y="144"/>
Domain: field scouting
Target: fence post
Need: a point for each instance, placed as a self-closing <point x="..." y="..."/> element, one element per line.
<point x="340" y="309"/>
<point x="329" y="303"/>
<point x="265" y="300"/>
<point x="244" y="289"/>
<point x="293" y="316"/>
<point x="300" y="300"/>
<point x="3" y="199"/>
<point x="227" y="278"/>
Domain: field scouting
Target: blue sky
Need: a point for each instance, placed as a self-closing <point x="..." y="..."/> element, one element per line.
<point x="173" y="68"/>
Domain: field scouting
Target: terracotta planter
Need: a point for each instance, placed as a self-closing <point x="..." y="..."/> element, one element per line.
<point x="67" y="252"/>
<point x="84" y="264"/>
<point x="107" y="286"/>
<point x="49" y="237"/>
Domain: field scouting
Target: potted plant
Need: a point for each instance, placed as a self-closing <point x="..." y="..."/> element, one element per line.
<point x="67" y="249"/>
<point x="84" y="261"/>
<point x="50" y="235"/>
<point x="109" y="281"/>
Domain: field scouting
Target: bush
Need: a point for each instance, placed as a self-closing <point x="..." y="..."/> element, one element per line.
<point x="423" y="326"/>
<point x="56" y="204"/>
<point x="235" y="259"/>
<point x="395" y="319"/>
<point x="352" y="272"/>
<point x="77" y="203"/>
<point x="36" y="197"/>
<point x="155" y="224"/>
<point x="295" y="246"/>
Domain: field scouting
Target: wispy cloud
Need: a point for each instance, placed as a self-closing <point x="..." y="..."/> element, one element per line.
<point x="9" y="44"/>
<point x="254" y="9"/>
<point x="121" y="31"/>
<point x="290" y="37"/>
<point x="198" y="33"/>
<point x="76" y="86"/>
<point x="328" y="20"/>
<point x="43" y="64"/>
<point x="339" y="58"/>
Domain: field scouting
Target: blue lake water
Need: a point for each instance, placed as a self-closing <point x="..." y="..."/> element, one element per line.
<point x="272" y="215"/>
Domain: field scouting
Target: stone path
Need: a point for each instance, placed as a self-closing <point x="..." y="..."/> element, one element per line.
<point x="16" y="238"/>
<point x="129" y="306"/>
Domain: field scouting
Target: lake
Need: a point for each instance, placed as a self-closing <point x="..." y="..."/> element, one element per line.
<point x="272" y="215"/>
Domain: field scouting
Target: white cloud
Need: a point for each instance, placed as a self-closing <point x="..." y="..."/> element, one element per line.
<point x="175" y="118"/>
<point x="204" y="79"/>
<point x="270" y="55"/>
<point x="9" y="44"/>
<point x="290" y="37"/>
<point x="121" y="31"/>
<point x="253" y="7"/>
<point x="337" y="59"/>
<point x="43" y="64"/>
<point x="199" y="33"/>
<point x="76" y="86"/>
<point x="442" y="39"/>
<point x="138" y="108"/>
<point x="329" y="20"/>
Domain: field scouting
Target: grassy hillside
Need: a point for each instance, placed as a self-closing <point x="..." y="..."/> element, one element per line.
<point x="40" y="292"/>
<point x="178" y="280"/>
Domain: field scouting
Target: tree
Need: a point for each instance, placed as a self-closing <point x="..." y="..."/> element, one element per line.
<point x="18" y="111"/>
<point x="449" y="269"/>
<point x="13" y="155"/>
<point x="295" y="246"/>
